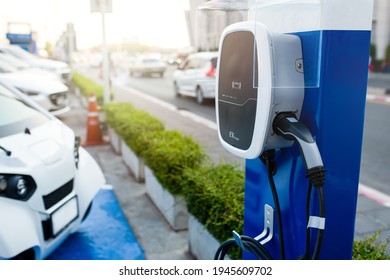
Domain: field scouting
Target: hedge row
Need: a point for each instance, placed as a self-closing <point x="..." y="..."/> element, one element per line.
<point x="214" y="194"/>
<point x="131" y="124"/>
<point x="87" y="86"/>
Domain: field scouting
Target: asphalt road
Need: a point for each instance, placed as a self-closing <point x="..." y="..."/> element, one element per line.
<point x="379" y="80"/>
<point x="163" y="89"/>
<point x="376" y="152"/>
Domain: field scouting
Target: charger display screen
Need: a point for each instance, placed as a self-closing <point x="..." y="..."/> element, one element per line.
<point x="238" y="58"/>
<point x="237" y="94"/>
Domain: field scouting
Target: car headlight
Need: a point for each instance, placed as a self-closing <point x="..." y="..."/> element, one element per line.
<point x="76" y="153"/>
<point x="29" y="92"/>
<point x="20" y="187"/>
<point x="3" y="183"/>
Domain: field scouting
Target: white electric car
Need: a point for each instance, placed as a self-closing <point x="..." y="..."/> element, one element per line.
<point x="61" y="69"/>
<point x="47" y="181"/>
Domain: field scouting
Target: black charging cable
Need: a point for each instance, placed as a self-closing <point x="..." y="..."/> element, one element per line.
<point x="250" y="244"/>
<point x="308" y="229"/>
<point x="268" y="157"/>
<point x="320" y="228"/>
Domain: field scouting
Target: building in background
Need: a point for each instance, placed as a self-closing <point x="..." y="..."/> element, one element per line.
<point x="205" y="27"/>
<point x="380" y="37"/>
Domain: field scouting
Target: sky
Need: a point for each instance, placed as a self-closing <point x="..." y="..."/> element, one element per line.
<point x="152" y="22"/>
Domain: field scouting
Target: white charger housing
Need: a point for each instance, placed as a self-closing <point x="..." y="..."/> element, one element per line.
<point x="259" y="74"/>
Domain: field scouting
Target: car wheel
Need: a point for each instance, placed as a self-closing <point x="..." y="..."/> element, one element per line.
<point x="176" y="89"/>
<point x="199" y="95"/>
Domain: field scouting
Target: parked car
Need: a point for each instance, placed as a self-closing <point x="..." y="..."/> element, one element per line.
<point x="196" y="76"/>
<point x="61" y="69"/>
<point x="148" y="66"/>
<point x="47" y="181"/>
<point x="23" y="66"/>
<point x="50" y="94"/>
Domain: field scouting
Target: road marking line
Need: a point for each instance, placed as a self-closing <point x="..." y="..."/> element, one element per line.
<point x="198" y="119"/>
<point x="376" y="98"/>
<point x="374" y="194"/>
<point x="107" y="187"/>
<point x="210" y="124"/>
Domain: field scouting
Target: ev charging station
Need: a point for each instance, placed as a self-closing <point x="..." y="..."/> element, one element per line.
<point x="290" y="98"/>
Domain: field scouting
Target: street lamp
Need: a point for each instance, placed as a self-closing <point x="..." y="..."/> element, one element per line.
<point x="103" y="7"/>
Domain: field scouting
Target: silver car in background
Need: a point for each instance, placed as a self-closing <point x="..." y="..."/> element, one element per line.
<point x="147" y="66"/>
<point x="196" y="76"/>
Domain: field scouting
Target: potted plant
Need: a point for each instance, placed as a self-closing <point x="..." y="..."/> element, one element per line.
<point x="215" y="199"/>
<point x="131" y="125"/>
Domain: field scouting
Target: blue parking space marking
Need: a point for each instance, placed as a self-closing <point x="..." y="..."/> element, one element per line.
<point x="104" y="235"/>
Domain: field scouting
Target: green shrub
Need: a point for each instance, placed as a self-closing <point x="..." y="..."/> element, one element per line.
<point x="87" y="86"/>
<point x="131" y="124"/>
<point x="215" y="196"/>
<point x="113" y="110"/>
<point x="168" y="154"/>
<point x="370" y="249"/>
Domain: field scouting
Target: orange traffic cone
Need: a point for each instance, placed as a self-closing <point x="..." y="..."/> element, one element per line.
<point x="94" y="135"/>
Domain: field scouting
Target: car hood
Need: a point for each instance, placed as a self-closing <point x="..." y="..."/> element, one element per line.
<point x="48" y="64"/>
<point x="45" y="152"/>
<point x="33" y="82"/>
<point x="45" y="144"/>
<point x="42" y="72"/>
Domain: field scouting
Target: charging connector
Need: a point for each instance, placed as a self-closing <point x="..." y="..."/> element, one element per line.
<point x="289" y="127"/>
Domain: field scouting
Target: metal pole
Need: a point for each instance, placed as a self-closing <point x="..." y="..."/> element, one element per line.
<point x="106" y="65"/>
<point x="71" y="47"/>
<point x="70" y="35"/>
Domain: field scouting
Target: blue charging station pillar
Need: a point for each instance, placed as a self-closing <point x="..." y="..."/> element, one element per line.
<point x="335" y="37"/>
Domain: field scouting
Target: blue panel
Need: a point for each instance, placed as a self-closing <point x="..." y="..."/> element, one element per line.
<point x="104" y="235"/>
<point x="334" y="112"/>
<point x="19" y="38"/>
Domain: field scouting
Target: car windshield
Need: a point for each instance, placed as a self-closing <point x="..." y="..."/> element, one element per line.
<point x="17" y="63"/>
<point x="150" y="60"/>
<point x="5" y="67"/>
<point x="20" y="53"/>
<point x="16" y="116"/>
<point x="214" y="62"/>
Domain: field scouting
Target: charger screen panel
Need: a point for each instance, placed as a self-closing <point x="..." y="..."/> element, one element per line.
<point x="237" y="95"/>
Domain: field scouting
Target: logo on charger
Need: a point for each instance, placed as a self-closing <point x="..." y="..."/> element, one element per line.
<point x="236" y="85"/>
<point x="231" y="135"/>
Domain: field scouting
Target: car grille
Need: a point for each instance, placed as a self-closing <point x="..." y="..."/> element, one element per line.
<point x="58" y="99"/>
<point x="56" y="196"/>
